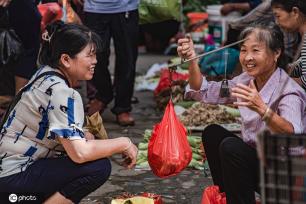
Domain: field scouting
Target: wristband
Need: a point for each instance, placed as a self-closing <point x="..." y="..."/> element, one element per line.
<point x="267" y="115"/>
<point x="129" y="145"/>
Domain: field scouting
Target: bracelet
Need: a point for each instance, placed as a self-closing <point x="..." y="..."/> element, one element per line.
<point x="129" y="145"/>
<point x="267" y="115"/>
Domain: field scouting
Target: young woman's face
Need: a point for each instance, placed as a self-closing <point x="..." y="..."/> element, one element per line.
<point x="256" y="58"/>
<point x="286" y="20"/>
<point x="83" y="64"/>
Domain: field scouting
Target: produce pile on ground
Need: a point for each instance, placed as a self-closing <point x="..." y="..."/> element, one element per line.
<point x="198" y="154"/>
<point x="200" y="114"/>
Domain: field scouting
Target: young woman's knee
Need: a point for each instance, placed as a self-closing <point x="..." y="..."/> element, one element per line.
<point x="101" y="167"/>
<point x="104" y="167"/>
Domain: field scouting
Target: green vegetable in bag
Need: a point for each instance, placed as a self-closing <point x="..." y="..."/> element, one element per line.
<point x="153" y="11"/>
<point x="142" y="146"/>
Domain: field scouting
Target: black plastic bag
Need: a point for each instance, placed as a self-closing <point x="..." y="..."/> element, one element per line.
<point x="10" y="44"/>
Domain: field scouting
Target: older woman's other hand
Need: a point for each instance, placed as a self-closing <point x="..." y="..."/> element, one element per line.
<point x="185" y="48"/>
<point x="5" y="3"/>
<point x="249" y="97"/>
<point x="130" y="155"/>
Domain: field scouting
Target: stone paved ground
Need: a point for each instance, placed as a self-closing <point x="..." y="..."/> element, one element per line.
<point x="185" y="188"/>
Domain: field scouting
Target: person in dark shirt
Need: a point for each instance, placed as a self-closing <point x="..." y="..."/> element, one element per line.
<point x="291" y="16"/>
<point x="25" y="19"/>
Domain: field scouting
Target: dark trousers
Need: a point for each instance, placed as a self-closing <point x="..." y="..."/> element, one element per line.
<point x="47" y="176"/>
<point x="25" y="20"/>
<point x="234" y="165"/>
<point x="123" y="28"/>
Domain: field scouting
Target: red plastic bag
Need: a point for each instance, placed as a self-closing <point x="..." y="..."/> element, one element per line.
<point x="168" y="150"/>
<point x="164" y="80"/>
<point x="212" y="195"/>
<point x="50" y="12"/>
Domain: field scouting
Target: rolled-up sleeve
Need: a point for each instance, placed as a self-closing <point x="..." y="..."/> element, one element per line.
<point x="196" y="94"/>
<point x="66" y="117"/>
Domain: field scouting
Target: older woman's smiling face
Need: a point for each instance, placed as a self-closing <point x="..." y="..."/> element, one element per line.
<point x="256" y="58"/>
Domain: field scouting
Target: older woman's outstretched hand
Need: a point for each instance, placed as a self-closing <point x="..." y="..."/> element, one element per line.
<point x="185" y="48"/>
<point x="249" y="97"/>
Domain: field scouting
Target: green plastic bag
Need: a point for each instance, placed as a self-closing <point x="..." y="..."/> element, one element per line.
<point x="153" y="11"/>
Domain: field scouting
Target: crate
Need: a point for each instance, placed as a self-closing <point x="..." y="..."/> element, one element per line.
<point x="282" y="168"/>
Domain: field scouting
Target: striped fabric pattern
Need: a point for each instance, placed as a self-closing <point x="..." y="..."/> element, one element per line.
<point x="299" y="66"/>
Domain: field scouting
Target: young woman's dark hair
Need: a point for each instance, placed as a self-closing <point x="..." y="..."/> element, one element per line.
<point x="70" y="39"/>
<point x="271" y="35"/>
<point x="287" y="5"/>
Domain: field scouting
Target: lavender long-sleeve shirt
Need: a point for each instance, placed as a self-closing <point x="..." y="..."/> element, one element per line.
<point x="281" y="93"/>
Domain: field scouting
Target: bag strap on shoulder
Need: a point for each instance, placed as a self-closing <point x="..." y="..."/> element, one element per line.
<point x="19" y="94"/>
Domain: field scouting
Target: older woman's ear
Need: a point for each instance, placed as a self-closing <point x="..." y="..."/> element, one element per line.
<point x="277" y="55"/>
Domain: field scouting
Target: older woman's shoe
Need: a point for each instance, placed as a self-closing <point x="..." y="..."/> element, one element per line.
<point x="125" y="119"/>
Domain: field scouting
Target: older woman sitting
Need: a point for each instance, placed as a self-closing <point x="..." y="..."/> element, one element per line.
<point x="266" y="97"/>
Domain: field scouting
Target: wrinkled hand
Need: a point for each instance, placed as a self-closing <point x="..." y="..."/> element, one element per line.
<point x="89" y="136"/>
<point x="130" y="156"/>
<point x="4" y="3"/>
<point x="185" y="48"/>
<point x="250" y="97"/>
<point x="226" y="9"/>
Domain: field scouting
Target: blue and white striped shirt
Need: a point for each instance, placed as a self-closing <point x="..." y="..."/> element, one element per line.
<point x="48" y="110"/>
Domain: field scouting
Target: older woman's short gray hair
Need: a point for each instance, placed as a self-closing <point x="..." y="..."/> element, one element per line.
<point x="270" y="34"/>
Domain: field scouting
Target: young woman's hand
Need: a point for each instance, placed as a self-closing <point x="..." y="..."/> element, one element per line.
<point x="185" y="48"/>
<point x="130" y="155"/>
<point x="249" y="97"/>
